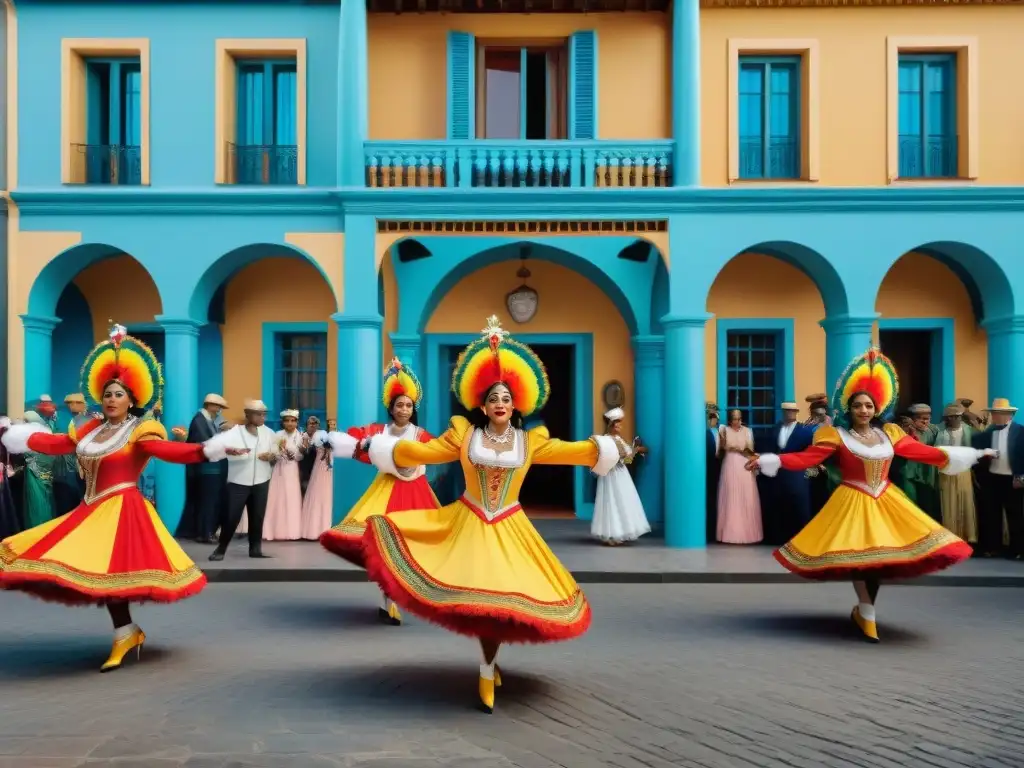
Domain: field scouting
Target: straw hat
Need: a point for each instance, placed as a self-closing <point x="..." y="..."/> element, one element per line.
<point x="1001" y="405"/>
<point x="256" y="406"/>
<point x="214" y="399"/>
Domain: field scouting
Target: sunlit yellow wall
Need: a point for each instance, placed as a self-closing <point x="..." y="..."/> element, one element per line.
<point x="478" y="294"/>
<point x="273" y="290"/>
<point x="754" y="286"/>
<point x="853" y="82"/>
<point x="408" y="68"/>
<point x="139" y="305"/>
<point x="918" y="286"/>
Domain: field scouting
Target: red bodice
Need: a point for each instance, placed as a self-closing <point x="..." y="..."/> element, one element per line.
<point x="113" y="463"/>
<point x="863" y="467"/>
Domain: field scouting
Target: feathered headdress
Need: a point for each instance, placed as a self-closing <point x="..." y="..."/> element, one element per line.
<point x="496" y="357"/>
<point x="399" y="379"/>
<point x="127" y="360"/>
<point x="873" y="373"/>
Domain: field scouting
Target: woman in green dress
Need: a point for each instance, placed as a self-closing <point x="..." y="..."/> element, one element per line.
<point x="38" y="482"/>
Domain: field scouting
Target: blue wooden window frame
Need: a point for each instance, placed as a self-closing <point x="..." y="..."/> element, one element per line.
<point x="113" y="104"/>
<point x="777" y="332"/>
<point x="266" y="137"/>
<point x="769" y="93"/>
<point x="928" y="146"/>
<point x="309" y="399"/>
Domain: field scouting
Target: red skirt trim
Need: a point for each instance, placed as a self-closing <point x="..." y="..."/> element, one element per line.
<point x="886" y="569"/>
<point x="346" y="546"/>
<point x="54" y="589"/>
<point x="477" y="613"/>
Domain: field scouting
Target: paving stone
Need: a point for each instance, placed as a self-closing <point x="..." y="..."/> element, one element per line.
<point x="670" y="676"/>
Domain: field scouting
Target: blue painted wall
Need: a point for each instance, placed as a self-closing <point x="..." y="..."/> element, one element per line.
<point x="72" y="340"/>
<point x="182" y="99"/>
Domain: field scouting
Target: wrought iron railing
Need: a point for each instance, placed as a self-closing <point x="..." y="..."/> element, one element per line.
<point x="106" y="164"/>
<point x="776" y="158"/>
<point x="928" y="157"/>
<point x="487" y="163"/>
<point x="263" y="164"/>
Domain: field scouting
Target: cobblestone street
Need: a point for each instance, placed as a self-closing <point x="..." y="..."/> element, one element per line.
<point x="710" y="676"/>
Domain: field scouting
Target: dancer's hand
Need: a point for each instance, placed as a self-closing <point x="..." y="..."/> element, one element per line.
<point x="990" y="453"/>
<point x="179" y="432"/>
<point x="753" y="464"/>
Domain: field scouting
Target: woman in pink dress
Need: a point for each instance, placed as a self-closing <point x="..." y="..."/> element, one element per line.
<point x="739" y="506"/>
<point x="284" y="501"/>
<point x="318" y="503"/>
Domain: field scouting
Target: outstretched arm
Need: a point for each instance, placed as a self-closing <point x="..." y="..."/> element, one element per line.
<point x="951" y="460"/>
<point x="598" y="452"/>
<point x="826" y="442"/>
<point x="151" y="439"/>
<point x="22" y="438"/>
<point x="389" y="454"/>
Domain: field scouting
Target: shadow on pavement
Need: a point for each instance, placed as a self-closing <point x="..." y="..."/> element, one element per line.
<point x="817" y="626"/>
<point x="325" y="615"/>
<point x="35" y="658"/>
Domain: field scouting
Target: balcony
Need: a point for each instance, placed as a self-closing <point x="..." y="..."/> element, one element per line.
<point x="929" y="157"/>
<point x="113" y="164"/>
<point x="263" y="164"/>
<point x="776" y="159"/>
<point x="525" y="164"/>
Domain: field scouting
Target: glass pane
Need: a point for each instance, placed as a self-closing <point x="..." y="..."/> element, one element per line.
<point x="250" y="106"/>
<point x="284" y="106"/>
<point x="502" y="91"/>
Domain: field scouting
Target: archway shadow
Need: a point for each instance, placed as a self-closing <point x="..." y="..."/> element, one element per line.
<point x="38" y="658"/>
<point x="833" y="627"/>
<point x="440" y="689"/>
<point x="331" y="616"/>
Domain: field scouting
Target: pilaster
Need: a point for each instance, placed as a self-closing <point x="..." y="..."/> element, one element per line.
<point x="649" y="373"/>
<point x="683" y="417"/>
<point x="359" y="386"/>
<point x="846" y="336"/>
<point x="353" y="92"/>
<point x="686" y="93"/>
<point x="180" y="400"/>
<point x="38" y="354"/>
<point x="1005" y="358"/>
<point x="406" y="347"/>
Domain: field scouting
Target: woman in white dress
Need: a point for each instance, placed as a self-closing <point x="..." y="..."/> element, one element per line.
<point x="618" y="514"/>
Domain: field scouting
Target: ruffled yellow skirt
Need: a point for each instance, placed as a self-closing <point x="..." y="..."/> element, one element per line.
<point x="494" y="580"/>
<point x="855" y="536"/>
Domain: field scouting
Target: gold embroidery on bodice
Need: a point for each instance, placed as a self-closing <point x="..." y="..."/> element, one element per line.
<point x="89" y="462"/>
<point x="876" y="473"/>
<point x="496" y="479"/>
<point x="493" y="486"/>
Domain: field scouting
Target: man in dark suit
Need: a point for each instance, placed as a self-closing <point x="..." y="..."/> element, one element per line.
<point x="713" y="465"/>
<point x="206" y="483"/>
<point x="1002" y="482"/>
<point x="788" y="494"/>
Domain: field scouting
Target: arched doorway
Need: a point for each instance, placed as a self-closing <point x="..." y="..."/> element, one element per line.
<point x="579" y="330"/>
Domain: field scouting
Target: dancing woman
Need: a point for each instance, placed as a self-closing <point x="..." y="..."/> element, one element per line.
<point x="478" y="566"/>
<point x="389" y="493"/>
<point x="869" y="530"/>
<point x="112" y="549"/>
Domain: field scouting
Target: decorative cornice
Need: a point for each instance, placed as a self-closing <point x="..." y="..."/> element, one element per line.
<point x="401" y="206"/>
<point x="649" y="351"/>
<point x="846" y="324"/>
<point x="41" y="323"/>
<point x="671" y="322"/>
<point x="998" y="326"/>
<point x="711" y="4"/>
<point x="179" y="326"/>
<point x="342" y="320"/>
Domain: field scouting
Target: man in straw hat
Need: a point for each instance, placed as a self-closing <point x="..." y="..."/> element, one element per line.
<point x="1002" y="482"/>
<point x="789" y="493"/>
<point x="206" y="483"/>
<point x="921" y="480"/>
<point x="248" y="478"/>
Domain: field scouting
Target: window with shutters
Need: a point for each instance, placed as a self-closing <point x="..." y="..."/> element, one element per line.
<point x="265" y="150"/>
<point x="927" y="116"/>
<point x="753" y="378"/>
<point x="521" y="90"/>
<point x="113" y="150"/>
<point x="769" y="117"/>
<point x="521" y="93"/>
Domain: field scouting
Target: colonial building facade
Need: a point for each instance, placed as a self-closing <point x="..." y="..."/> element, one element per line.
<point x="673" y="202"/>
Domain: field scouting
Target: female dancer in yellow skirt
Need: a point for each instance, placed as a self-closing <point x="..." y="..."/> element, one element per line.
<point x="387" y="494"/>
<point x="112" y="549"/>
<point x="869" y="530"/>
<point x="478" y="567"/>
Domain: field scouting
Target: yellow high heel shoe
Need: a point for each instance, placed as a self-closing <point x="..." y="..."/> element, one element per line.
<point x="122" y="646"/>
<point x="391" y="615"/>
<point x="497" y="676"/>
<point x="868" y="628"/>
<point x="486" y="691"/>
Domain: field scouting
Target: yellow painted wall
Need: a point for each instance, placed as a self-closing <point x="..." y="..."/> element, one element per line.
<point x="853" y="82"/>
<point x="919" y="286"/>
<point x="139" y="305"/>
<point x="482" y="293"/>
<point x="408" y="68"/>
<point x="755" y="286"/>
<point x="274" y="290"/>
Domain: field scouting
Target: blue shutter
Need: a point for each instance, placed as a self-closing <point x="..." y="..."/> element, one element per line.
<point x="911" y="120"/>
<point x="784" y="123"/>
<point x="751" y="121"/>
<point x="96" y="104"/>
<point x="284" y="107"/>
<point x="940" y="118"/>
<point x="131" y="101"/>
<point x="583" y="85"/>
<point x="461" y="86"/>
<point x="250" y="106"/>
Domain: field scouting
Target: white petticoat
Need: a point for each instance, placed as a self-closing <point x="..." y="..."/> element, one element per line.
<point x="618" y="513"/>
